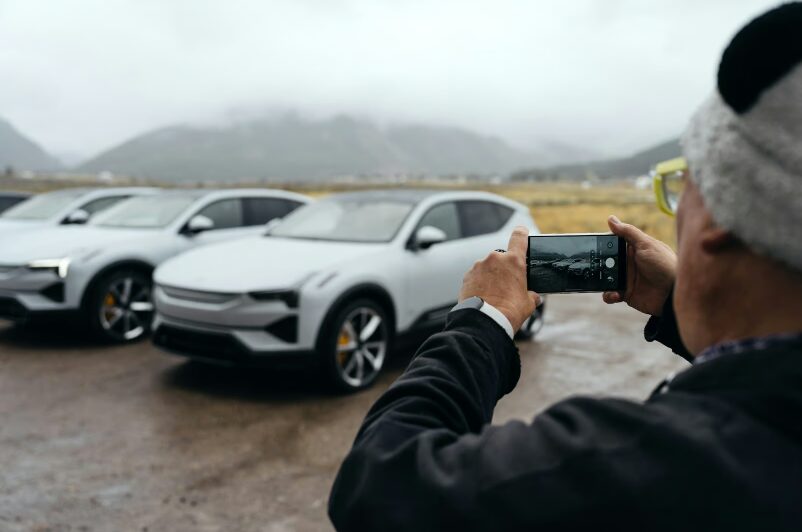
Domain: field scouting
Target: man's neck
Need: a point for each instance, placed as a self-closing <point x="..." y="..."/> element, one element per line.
<point x="766" y="302"/>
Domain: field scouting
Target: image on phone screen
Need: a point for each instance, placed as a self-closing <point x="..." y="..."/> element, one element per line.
<point x="576" y="263"/>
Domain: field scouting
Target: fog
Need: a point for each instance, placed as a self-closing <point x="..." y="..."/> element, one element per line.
<point x="606" y="76"/>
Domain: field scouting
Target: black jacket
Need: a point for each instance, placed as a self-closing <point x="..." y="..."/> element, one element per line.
<point x="719" y="448"/>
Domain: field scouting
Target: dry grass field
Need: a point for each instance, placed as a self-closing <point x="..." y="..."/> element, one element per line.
<point x="556" y="207"/>
<point x="571" y="208"/>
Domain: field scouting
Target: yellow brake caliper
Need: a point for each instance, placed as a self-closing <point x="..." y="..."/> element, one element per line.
<point x="342" y="341"/>
<point x="108" y="303"/>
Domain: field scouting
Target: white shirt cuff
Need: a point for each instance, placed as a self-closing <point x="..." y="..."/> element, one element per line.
<point x="499" y="317"/>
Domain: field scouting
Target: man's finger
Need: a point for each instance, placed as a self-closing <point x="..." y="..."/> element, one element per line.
<point x="612" y="297"/>
<point x="519" y="241"/>
<point x="628" y="231"/>
<point x="535" y="298"/>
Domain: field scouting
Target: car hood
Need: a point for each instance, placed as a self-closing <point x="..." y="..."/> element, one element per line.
<point x="9" y="227"/>
<point x="61" y="241"/>
<point x="258" y="263"/>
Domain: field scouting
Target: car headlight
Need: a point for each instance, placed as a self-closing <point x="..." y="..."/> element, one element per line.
<point x="58" y="266"/>
<point x="290" y="297"/>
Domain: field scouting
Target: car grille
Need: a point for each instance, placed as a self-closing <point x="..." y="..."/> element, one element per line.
<point x="197" y="296"/>
<point x="202" y="344"/>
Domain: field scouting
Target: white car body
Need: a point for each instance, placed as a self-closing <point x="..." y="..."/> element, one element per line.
<point x="50" y="270"/>
<point x="205" y="300"/>
<point x="66" y="202"/>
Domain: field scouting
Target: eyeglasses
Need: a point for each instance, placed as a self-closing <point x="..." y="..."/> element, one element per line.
<point x="668" y="179"/>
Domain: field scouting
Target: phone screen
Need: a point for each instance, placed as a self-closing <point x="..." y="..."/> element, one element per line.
<point x="576" y="263"/>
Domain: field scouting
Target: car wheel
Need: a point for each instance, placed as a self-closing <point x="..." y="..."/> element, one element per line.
<point x="120" y="306"/>
<point x="356" y="345"/>
<point x="533" y="324"/>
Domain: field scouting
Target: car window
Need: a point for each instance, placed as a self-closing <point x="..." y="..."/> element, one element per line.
<point x="482" y="217"/>
<point x="5" y="203"/>
<point x="101" y="204"/>
<point x="225" y="213"/>
<point x="346" y="218"/>
<point x="259" y="211"/>
<point x="43" y="206"/>
<point x="145" y="212"/>
<point x="444" y="217"/>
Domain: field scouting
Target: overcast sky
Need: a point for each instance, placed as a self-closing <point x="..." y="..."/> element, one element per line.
<point x="612" y="76"/>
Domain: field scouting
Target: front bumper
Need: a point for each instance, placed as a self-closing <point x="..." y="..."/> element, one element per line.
<point x="25" y="294"/>
<point x="230" y="328"/>
<point x="223" y="347"/>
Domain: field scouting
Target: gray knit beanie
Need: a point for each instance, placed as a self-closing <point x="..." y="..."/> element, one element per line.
<point x="744" y="145"/>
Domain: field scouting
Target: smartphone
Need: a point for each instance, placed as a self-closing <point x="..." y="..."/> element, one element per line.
<point x="587" y="262"/>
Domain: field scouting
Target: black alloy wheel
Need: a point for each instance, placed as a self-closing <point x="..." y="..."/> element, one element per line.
<point x="356" y="346"/>
<point x="120" y="306"/>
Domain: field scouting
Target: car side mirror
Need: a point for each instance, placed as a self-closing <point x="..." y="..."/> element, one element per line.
<point x="77" y="217"/>
<point x="199" y="223"/>
<point x="428" y="235"/>
<point x="269" y="226"/>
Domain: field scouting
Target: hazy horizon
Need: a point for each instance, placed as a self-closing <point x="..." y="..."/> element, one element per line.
<point x="609" y="78"/>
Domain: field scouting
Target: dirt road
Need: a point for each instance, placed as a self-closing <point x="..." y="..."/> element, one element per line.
<point x="128" y="438"/>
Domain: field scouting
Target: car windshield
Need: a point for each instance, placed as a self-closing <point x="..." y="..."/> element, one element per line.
<point x="145" y="212"/>
<point x="43" y="206"/>
<point x="347" y="219"/>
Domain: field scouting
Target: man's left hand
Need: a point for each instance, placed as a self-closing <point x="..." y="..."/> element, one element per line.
<point x="500" y="280"/>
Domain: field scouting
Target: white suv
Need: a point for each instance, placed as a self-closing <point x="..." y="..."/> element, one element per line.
<point x="102" y="271"/>
<point x="336" y="282"/>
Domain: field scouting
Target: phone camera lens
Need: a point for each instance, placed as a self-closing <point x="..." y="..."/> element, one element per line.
<point x="609" y="244"/>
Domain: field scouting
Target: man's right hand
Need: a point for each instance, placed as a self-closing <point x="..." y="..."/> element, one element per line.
<point x="651" y="270"/>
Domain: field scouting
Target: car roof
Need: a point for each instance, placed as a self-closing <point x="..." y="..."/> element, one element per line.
<point x="229" y="192"/>
<point x="410" y="195"/>
<point x="420" y="195"/>
<point x="102" y="191"/>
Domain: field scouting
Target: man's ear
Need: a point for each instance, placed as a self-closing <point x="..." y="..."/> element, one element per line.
<point x="715" y="240"/>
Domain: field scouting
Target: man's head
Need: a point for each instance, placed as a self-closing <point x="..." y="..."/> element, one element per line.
<point x="739" y="222"/>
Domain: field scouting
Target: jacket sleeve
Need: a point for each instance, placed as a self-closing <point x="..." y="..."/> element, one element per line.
<point x="664" y="329"/>
<point x="426" y="457"/>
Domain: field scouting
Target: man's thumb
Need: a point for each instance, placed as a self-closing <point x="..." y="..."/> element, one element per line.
<point x="628" y="231"/>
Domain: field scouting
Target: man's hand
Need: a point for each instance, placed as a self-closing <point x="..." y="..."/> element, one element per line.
<point x="500" y="280"/>
<point x="651" y="270"/>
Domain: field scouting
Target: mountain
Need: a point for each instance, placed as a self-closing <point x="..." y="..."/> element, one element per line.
<point x="293" y="148"/>
<point x="634" y="165"/>
<point x="21" y="153"/>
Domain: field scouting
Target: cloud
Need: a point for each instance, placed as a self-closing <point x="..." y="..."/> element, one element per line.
<point x="610" y="76"/>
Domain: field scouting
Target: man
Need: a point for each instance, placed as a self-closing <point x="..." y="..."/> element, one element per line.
<point x="719" y="447"/>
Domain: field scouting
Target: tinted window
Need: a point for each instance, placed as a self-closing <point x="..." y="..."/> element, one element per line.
<point x="443" y="217"/>
<point x="5" y="203"/>
<point x="259" y="211"/>
<point x="224" y="213"/>
<point x="482" y="217"/>
<point x="101" y="204"/>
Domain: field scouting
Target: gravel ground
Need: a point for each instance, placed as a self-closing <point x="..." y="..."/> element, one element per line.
<point x="128" y="438"/>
